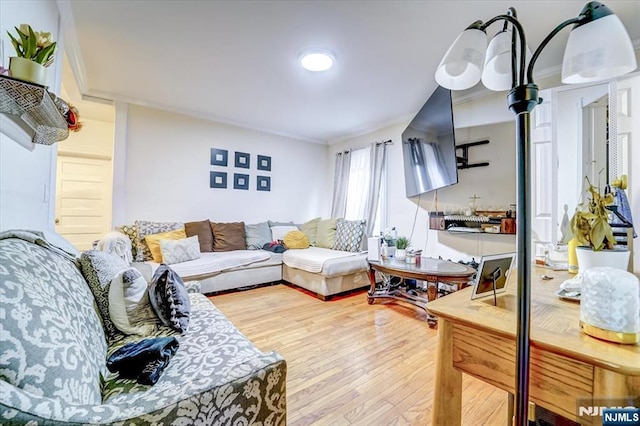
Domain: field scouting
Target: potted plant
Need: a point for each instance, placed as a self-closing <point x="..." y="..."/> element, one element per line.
<point x="590" y="227"/>
<point x="34" y="52"/>
<point x="401" y="247"/>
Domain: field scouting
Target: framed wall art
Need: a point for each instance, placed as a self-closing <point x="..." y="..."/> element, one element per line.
<point x="218" y="180"/>
<point x="263" y="183"/>
<point x="240" y="181"/>
<point x="264" y="163"/>
<point x="243" y="160"/>
<point x="219" y="157"/>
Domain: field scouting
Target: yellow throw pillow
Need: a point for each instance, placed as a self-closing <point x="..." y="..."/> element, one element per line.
<point x="296" y="240"/>
<point x="153" y="241"/>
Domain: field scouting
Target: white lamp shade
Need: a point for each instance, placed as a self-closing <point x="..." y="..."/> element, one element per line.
<point x="496" y="74"/>
<point x="461" y="67"/>
<point x="598" y="50"/>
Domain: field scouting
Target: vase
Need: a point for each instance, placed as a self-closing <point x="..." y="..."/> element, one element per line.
<point x="615" y="258"/>
<point x="27" y="70"/>
<point x="401" y="254"/>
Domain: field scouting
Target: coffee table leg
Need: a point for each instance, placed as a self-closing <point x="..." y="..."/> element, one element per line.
<point x="372" y="281"/>
<point x="432" y="294"/>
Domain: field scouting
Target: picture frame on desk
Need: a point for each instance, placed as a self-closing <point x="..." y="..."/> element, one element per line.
<point x="493" y="275"/>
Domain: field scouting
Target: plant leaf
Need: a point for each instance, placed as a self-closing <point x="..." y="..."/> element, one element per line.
<point x="16" y="45"/>
<point x="44" y="54"/>
<point x="32" y="45"/>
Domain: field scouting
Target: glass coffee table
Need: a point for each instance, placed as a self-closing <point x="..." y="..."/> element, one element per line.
<point x="441" y="277"/>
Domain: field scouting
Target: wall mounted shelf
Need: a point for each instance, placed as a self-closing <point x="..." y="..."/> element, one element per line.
<point x="33" y="110"/>
<point x="462" y="224"/>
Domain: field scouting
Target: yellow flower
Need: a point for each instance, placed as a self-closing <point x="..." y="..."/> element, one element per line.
<point x="43" y="39"/>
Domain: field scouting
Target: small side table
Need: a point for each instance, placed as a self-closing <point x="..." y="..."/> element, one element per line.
<point x="433" y="271"/>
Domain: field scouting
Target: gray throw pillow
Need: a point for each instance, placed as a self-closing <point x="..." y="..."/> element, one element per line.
<point x="99" y="268"/>
<point x="170" y="299"/>
<point x="257" y="235"/>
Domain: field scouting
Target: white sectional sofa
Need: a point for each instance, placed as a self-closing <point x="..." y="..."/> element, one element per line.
<point x="321" y="270"/>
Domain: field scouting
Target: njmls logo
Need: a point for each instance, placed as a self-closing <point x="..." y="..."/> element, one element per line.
<point x="622" y="411"/>
<point x="598" y="411"/>
<point x="621" y="417"/>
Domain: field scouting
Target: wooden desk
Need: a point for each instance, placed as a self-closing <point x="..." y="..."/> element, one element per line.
<point x="478" y="339"/>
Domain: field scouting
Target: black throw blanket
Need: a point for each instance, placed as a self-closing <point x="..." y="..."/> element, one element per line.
<point x="144" y="360"/>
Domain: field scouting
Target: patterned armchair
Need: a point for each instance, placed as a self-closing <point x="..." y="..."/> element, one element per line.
<point x="53" y="352"/>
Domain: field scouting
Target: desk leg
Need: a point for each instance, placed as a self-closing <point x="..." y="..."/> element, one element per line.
<point x="447" y="393"/>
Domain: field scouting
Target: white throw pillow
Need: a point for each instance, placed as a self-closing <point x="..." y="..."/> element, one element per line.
<point x="279" y="231"/>
<point x="178" y="251"/>
<point x="129" y="305"/>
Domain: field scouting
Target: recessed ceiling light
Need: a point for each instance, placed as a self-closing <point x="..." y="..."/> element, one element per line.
<point x="316" y="60"/>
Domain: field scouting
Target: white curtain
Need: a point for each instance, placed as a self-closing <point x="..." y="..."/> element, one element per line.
<point x="378" y="161"/>
<point x="341" y="184"/>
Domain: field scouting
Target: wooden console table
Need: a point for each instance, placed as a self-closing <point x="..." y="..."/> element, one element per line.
<point x="433" y="271"/>
<point x="477" y="338"/>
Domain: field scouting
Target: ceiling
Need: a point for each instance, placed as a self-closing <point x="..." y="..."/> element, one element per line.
<point x="236" y="61"/>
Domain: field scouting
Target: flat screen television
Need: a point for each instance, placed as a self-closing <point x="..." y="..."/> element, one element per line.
<point x="429" y="146"/>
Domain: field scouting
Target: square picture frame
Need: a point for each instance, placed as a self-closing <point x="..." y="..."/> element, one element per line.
<point x="218" y="180"/>
<point x="240" y="181"/>
<point x="219" y="157"/>
<point x="242" y="160"/>
<point x="498" y="265"/>
<point x="263" y="183"/>
<point x="264" y="163"/>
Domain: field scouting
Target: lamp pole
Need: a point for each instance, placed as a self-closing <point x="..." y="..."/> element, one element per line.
<point x="594" y="59"/>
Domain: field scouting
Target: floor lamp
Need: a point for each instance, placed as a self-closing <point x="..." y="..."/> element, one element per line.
<point x="598" y="48"/>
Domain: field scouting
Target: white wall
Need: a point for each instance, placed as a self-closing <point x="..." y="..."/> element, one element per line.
<point x="26" y="177"/>
<point x="168" y="163"/>
<point x="495" y="185"/>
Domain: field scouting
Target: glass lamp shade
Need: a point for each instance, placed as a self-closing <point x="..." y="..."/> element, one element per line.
<point x="598" y="50"/>
<point x="496" y="74"/>
<point x="461" y="67"/>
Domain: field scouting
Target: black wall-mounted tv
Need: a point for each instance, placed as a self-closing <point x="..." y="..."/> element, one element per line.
<point x="429" y="146"/>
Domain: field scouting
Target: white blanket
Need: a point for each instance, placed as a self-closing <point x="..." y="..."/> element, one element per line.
<point x="210" y="263"/>
<point x="312" y="259"/>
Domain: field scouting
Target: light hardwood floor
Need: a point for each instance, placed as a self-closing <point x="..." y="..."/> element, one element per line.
<point x="351" y="363"/>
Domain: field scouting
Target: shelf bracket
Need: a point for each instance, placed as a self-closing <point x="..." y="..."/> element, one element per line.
<point x="463" y="160"/>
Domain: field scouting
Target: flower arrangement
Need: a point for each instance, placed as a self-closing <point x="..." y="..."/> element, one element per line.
<point x="591" y="226"/>
<point x="34" y="46"/>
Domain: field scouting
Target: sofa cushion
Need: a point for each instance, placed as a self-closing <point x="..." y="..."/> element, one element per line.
<point x="273" y="223"/>
<point x="99" y="268"/>
<point x="52" y="341"/>
<point x="153" y="242"/>
<point x="279" y="231"/>
<point x="170" y="299"/>
<point x="130" y="231"/>
<point x="180" y="250"/>
<point x="326" y="233"/>
<point x="349" y="235"/>
<point x="147" y="228"/>
<point x="228" y="236"/>
<point x="296" y="240"/>
<point x="311" y="229"/>
<point x="129" y="305"/>
<point x="257" y="235"/>
<point x="203" y="230"/>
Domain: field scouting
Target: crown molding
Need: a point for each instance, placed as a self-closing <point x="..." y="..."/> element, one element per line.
<point x="72" y="44"/>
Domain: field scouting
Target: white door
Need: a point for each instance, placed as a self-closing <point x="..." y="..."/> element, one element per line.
<point x="627" y="151"/>
<point x="83" y="199"/>
<point x="542" y="185"/>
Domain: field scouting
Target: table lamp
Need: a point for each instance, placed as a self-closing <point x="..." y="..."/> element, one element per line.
<point x="610" y="305"/>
